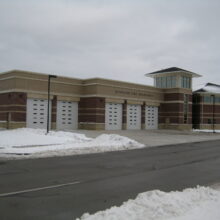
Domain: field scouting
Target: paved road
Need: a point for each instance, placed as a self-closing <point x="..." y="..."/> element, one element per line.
<point x="98" y="181"/>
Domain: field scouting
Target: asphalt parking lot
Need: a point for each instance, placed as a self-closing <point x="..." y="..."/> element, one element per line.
<point x="158" y="137"/>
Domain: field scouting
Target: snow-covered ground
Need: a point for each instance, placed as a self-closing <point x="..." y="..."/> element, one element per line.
<point x="31" y="143"/>
<point x="206" y="130"/>
<point x="201" y="203"/>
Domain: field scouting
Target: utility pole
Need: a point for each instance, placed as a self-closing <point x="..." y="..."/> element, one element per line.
<point x="48" y="102"/>
<point x="213" y="113"/>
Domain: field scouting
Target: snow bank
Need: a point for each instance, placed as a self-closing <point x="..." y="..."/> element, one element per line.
<point x="30" y="137"/>
<point x="199" y="203"/>
<point x="206" y="130"/>
<point x="35" y="143"/>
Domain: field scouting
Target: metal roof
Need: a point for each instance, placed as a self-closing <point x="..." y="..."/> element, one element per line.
<point x="172" y="69"/>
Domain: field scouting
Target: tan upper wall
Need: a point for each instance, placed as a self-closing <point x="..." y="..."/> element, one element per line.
<point x="129" y="93"/>
<point x="29" y="82"/>
<point x="177" y="90"/>
<point x="122" y="90"/>
<point x="119" y="84"/>
<point x="7" y="84"/>
<point x="39" y="76"/>
<point x="38" y="83"/>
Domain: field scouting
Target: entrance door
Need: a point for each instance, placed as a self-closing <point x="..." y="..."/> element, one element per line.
<point x="67" y="115"/>
<point x="113" y="116"/>
<point x="151" y="117"/>
<point x="134" y="117"/>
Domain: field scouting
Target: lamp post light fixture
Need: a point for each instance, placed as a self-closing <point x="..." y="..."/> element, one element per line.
<point x="48" y="102"/>
<point x="213" y="113"/>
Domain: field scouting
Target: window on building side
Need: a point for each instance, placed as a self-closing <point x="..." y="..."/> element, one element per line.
<point x="173" y="81"/>
<point x="166" y="82"/>
<point x="185" y="109"/>
<point x="186" y="82"/>
<point x="169" y="81"/>
<point x="209" y="99"/>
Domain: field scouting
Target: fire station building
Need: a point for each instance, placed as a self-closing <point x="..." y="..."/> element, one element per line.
<point x="100" y="103"/>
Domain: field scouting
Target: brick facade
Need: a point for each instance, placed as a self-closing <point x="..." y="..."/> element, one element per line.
<point x="91" y="112"/>
<point x="171" y="111"/>
<point x="13" y="107"/>
<point x="204" y="113"/>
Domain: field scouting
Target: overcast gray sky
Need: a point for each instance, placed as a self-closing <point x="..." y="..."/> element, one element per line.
<point x="115" y="39"/>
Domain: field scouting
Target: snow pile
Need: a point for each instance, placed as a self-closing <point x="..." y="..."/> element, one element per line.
<point x="206" y="130"/>
<point x="199" y="203"/>
<point x="115" y="141"/>
<point x="35" y="143"/>
<point x="33" y="137"/>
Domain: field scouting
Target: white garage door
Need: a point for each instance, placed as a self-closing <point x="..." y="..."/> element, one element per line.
<point x="151" y="117"/>
<point x="133" y="116"/>
<point x="37" y="113"/>
<point x="67" y="115"/>
<point x="113" y="116"/>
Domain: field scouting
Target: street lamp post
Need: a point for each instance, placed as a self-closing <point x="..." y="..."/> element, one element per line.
<point x="48" y="102"/>
<point x="213" y="113"/>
